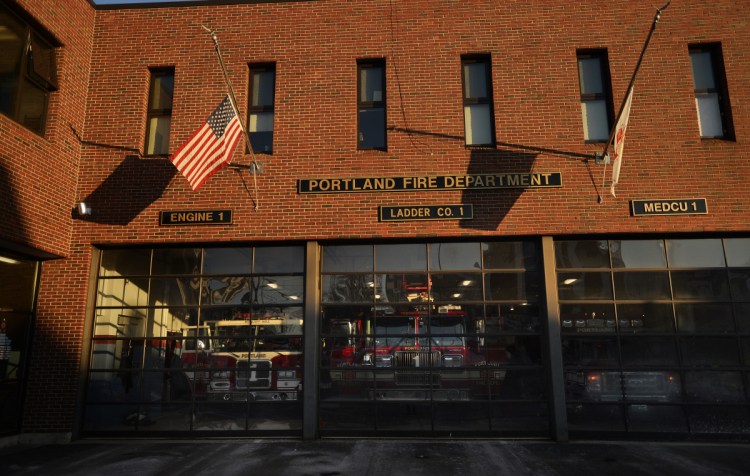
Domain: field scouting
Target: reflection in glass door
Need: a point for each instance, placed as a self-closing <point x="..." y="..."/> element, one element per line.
<point x="441" y="338"/>
<point x="18" y="283"/>
<point x="197" y="340"/>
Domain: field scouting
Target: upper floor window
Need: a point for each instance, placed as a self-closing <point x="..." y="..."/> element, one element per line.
<point x="260" y="107"/>
<point x="711" y="98"/>
<point x="596" y="97"/>
<point x="28" y="73"/>
<point x="479" y="122"/>
<point x="159" y="114"/>
<point x="371" y="105"/>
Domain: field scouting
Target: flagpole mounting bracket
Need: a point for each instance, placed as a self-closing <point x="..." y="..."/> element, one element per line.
<point x="601" y="159"/>
<point x="254" y="167"/>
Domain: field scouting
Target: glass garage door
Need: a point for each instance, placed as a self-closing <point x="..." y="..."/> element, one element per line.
<point x="197" y="340"/>
<point x="439" y="338"/>
<point x="656" y="335"/>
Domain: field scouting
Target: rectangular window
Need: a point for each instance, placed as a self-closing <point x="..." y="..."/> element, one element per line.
<point x="27" y="71"/>
<point x="596" y="95"/>
<point x="711" y="98"/>
<point x="260" y="107"/>
<point x="371" y="104"/>
<point x="479" y="122"/>
<point x="159" y="117"/>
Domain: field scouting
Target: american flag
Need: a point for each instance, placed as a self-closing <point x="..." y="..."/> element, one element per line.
<point x="210" y="147"/>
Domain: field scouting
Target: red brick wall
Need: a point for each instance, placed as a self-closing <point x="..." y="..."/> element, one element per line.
<point x="37" y="199"/>
<point x="538" y="121"/>
<point x="315" y="46"/>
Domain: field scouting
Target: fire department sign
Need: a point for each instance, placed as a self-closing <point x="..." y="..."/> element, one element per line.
<point x="670" y="206"/>
<point x="430" y="183"/>
<point x="196" y="217"/>
<point x="427" y="212"/>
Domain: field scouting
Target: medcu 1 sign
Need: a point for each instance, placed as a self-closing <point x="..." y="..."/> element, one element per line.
<point x="674" y="206"/>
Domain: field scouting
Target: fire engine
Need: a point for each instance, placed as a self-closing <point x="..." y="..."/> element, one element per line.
<point x="257" y="358"/>
<point x="394" y="357"/>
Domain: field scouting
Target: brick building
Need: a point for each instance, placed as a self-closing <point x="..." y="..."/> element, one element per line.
<point x="416" y="246"/>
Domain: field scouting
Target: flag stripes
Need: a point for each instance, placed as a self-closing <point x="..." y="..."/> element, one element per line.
<point x="210" y="148"/>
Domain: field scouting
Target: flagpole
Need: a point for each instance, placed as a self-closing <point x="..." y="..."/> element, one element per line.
<point x="628" y="90"/>
<point x="233" y="101"/>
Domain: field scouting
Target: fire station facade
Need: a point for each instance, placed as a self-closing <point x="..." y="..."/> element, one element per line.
<point x="416" y="245"/>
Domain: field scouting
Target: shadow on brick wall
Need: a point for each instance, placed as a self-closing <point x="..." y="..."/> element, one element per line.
<point x="11" y="226"/>
<point x="492" y="205"/>
<point x="134" y="185"/>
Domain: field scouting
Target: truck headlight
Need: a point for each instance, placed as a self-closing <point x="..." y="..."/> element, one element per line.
<point x="453" y="360"/>
<point x="367" y="359"/>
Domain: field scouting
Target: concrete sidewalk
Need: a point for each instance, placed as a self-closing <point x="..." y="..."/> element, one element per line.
<point x="374" y="458"/>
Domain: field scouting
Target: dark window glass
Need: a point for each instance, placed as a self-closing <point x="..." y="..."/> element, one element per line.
<point x="718" y="419"/>
<point x="510" y="255"/>
<point x="159" y="114"/>
<point x="279" y="259"/>
<point x="648" y="350"/>
<point x="269" y="290"/>
<point x="225" y="290"/>
<point x="575" y="286"/>
<point x="646" y="317"/>
<point x="599" y="351"/>
<point x="708" y="285"/>
<point x="347" y="288"/>
<point x="704" y="317"/>
<point x="742" y="316"/>
<point x="594" y="417"/>
<point x="656" y="418"/>
<point x="642" y="285"/>
<point x="456" y="287"/>
<point x="521" y="317"/>
<point x="582" y="254"/>
<point x="596" y="102"/>
<point x="638" y="254"/>
<point x="738" y="252"/>
<point x="28" y="73"/>
<point x="227" y="261"/>
<point x="479" y="122"/>
<point x="182" y="291"/>
<point x="587" y="318"/>
<point x="371" y="105"/>
<point x="739" y="282"/>
<point x="697" y="253"/>
<point x="711" y="95"/>
<point x="356" y="258"/>
<point x="450" y="256"/>
<point x="701" y="351"/>
<point x="408" y="257"/>
<point x="177" y="261"/>
<point x="125" y="262"/>
<point x="512" y="286"/>
<point x="706" y="386"/>
<point x="261" y="107"/>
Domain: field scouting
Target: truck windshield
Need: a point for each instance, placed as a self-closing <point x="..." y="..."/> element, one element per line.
<point x="258" y="337"/>
<point x="405" y="331"/>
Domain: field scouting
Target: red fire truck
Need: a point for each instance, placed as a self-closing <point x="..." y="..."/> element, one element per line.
<point x="257" y="358"/>
<point x="430" y="352"/>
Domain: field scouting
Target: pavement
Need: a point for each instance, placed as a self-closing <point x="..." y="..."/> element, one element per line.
<point x="376" y="457"/>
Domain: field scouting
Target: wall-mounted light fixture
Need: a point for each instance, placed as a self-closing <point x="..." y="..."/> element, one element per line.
<point x="84" y="209"/>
